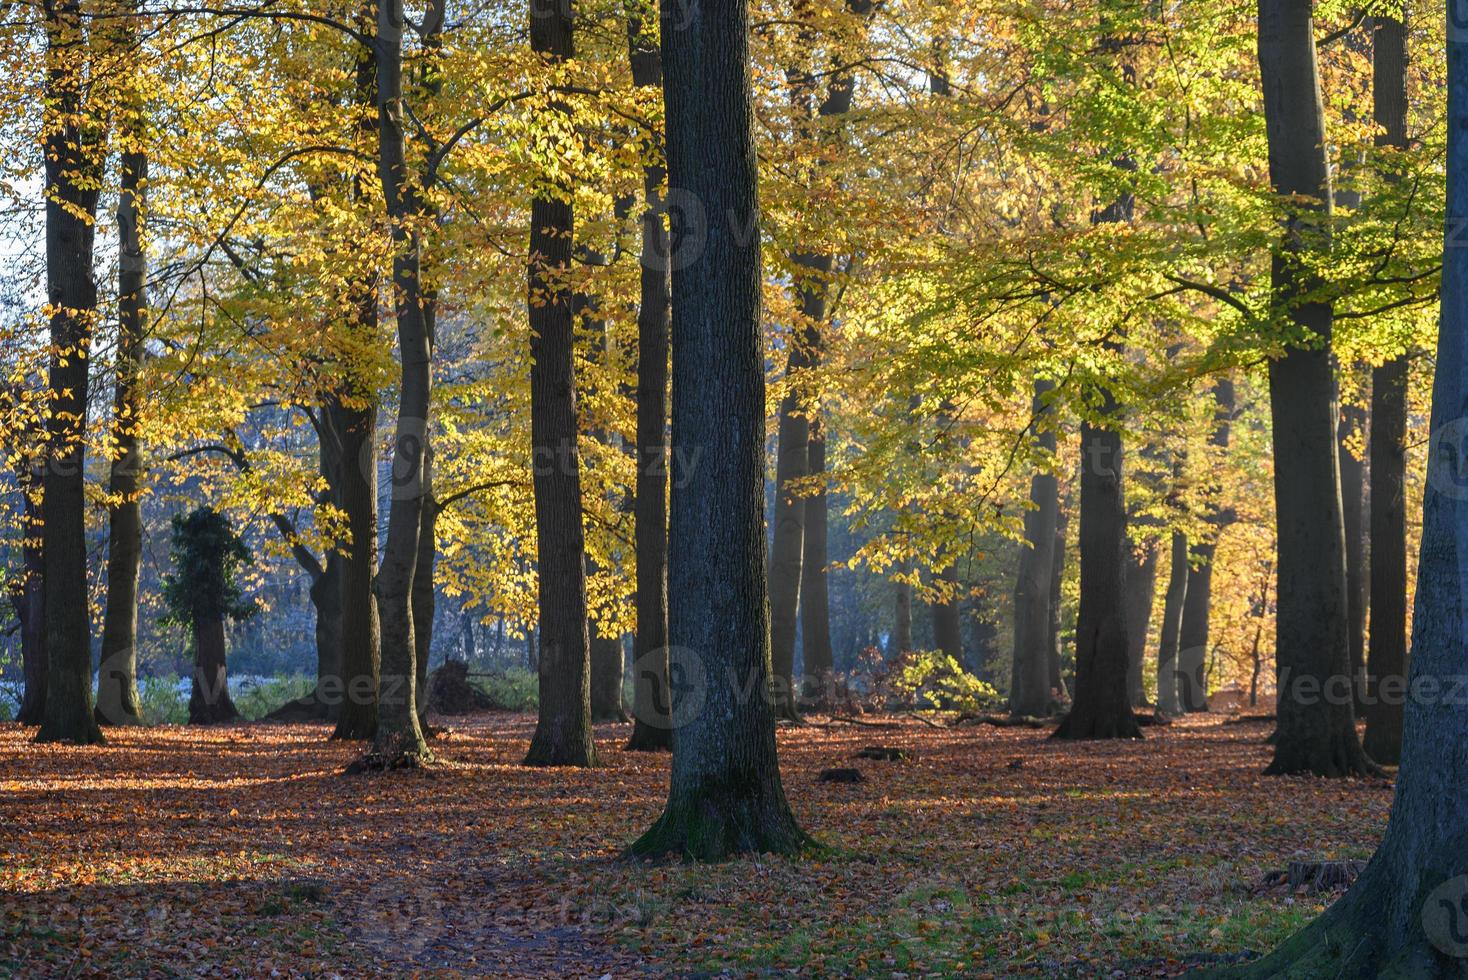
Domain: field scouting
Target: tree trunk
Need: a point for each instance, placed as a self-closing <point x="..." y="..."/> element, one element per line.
<point x="1316" y="732"/>
<point x="947" y="628"/>
<point x="1029" y="693"/>
<point x="1058" y="690"/>
<point x="209" y="700"/>
<point x="1402" y="917"/>
<point x="1388" y="519"/>
<point x="31" y="602"/>
<point x="71" y="208"/>
<point x="1353" y="507"/>
<point x="1100" y="707"/>
<point x="1141" y="590"/>
<point x="563" y="735"/>
<point x="725" y="795"/>
<point x="651" y="729"/>
<point x="902" y="614"/>
<point x="360" y="652"/>
<point x="1172" y="618"/>
<point x="117" y="676"/>
<point x="1192" y="654"/>
<point x="398" y="738"/>
<point x="424" y="600"/>
<point x="815" y="606"/>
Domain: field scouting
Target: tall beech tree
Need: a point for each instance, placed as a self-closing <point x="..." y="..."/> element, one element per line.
<point x="117" y="676"/>
<point x="725" y="796"/>
<point x="71" y="141"/>
<point x="398" y="738"/>
<point x="1316" y="731"/>
<point x="651" y="729"/>
<point x="1197" y="608"/>
<point x="1400" y="918"/>
<point x="563" y="735"/>
<point x="1029" y="693"/>
<point x="1387" y="656"/>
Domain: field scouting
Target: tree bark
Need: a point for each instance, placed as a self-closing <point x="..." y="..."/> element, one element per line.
<point x="563" y="735"/>
<point x="398" y="738"/>
<point x="1316" y="733"/>
<point x="1029" y="693"/>
<point x="71" y="208"/>
<point x="725" y="795"/>
<point x="1402" y="917"/>
<point x="815" y="606"/>
<point x="651" y="729"/>
<point x="1141" y="590"/>
<point x="1100" y="707"/>
<point x="359" y="657"/>
<point x="1387" y="657"/>
<point x="1168" y="701"/>
<point x="209" y="700"/>
<point x="117" y="676"/>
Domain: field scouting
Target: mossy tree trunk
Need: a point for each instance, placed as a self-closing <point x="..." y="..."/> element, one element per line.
<point x="725" y="796"/>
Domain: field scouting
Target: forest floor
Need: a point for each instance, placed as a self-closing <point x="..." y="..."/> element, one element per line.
<point x="244" y="851"/>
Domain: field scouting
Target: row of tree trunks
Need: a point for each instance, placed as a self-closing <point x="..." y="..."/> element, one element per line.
<point x="1316" y="734"/>
<point x="651" y="729"/>
<point x="1401" y="917"/>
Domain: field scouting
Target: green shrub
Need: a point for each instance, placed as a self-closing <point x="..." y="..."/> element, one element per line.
<point x="164" y="703"/>
<point x="512" y="689"/>
<point x="256" y="699"/>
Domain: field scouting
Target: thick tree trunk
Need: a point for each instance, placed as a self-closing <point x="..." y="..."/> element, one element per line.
<point x="815" y="605"/>
<point x="360" y="657"/>
<point x="209" y="700"/>
<point x="1403" y="916"/>
<point x="607" y="666"/>
<point x="117" y="676"/>
<point x="1388" y="454"/>
<point x="1141" y="590"/>
<point x="398" y="738"/>
<point x="1168" y="701"/>
<point x="1316" y="728"/>
<point x="563" y="735"/>
<point x="1100" y="707"/>
<point x="947" y="628"/>
<point x="652" y="729"/>
<point x="1029" y="693"/>
<point x="71" y="207"/>
<point x="725" y="795"/>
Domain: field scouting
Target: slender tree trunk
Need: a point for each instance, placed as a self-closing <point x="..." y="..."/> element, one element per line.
<point x="356" y="674"/>
<point x="652" y="729"/>
<point x="71" y="208"/>
<point x="725" y="796"/>
<point x="117" y="676"/>
<point x="1403" y="915"/>
<point x="902" y="613"/>
<point x="815" y="607"/>
<point x="31" y="604"/>
<point x="1029" y="694"/>
<point x="1316" y="733"/>
<point x="209" y="700"/>
<point x="424" y="600"/>
<point x="1193" y="644"/>
<point x="398" y="738"/>
<point x="563" y="735"/>
<point x="1388" y="451"/>
<point x="1058" y="690"/>
<point x="947" y="628"/>
<point x="1168" y="701"/>
<point x="1141" y="590"/>
<point x="1353" y="511"/>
